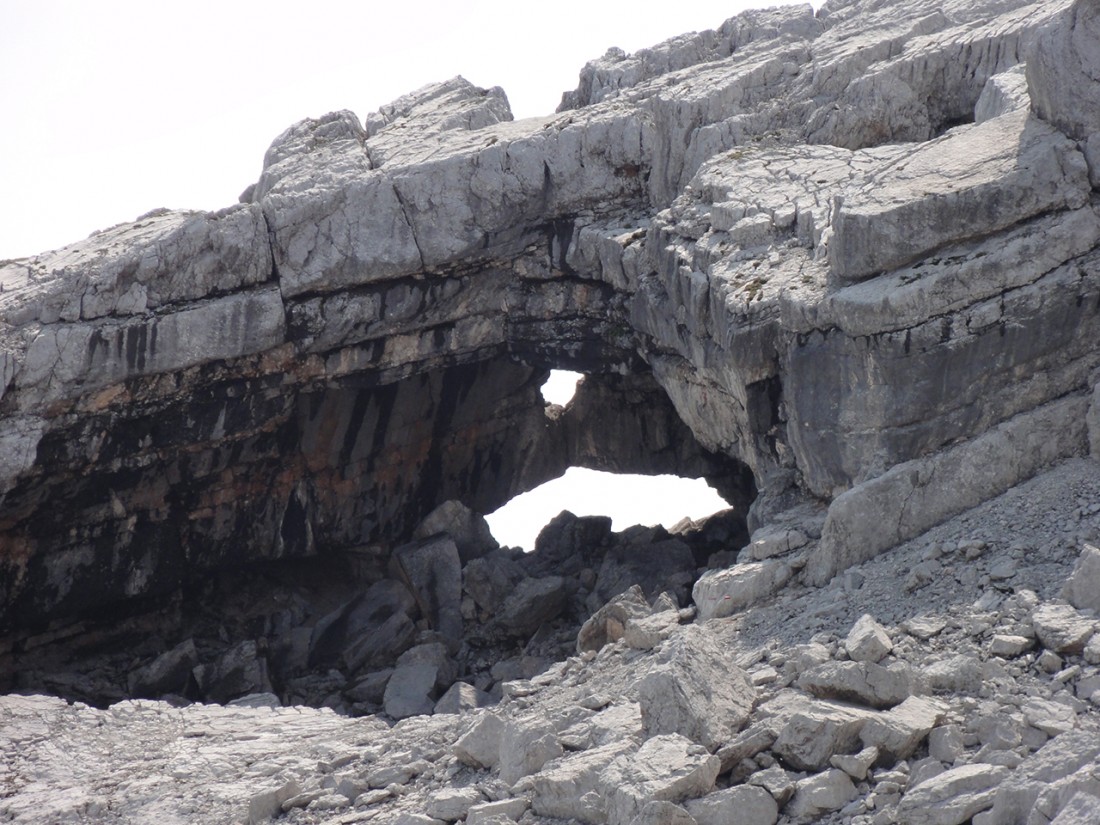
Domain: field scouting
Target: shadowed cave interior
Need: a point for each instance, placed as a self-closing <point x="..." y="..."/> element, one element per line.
<point x="345" y="476"/>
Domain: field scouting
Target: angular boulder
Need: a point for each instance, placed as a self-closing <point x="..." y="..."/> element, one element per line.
<point x="695" y="690"/>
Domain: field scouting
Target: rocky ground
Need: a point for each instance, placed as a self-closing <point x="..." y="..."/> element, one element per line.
<point x="953" y="678"/>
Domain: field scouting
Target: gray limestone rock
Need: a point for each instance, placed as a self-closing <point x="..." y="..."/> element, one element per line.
<point x="609" y="622"/>
<point x="434" y="573"/>
<point x="469" y="530"/>
<point x="720" y="593"/>
<point x="952" y="797"/>
<point x="1065" y="58"/>
<point x="967" y="185"/>
<point x="820" y="794"/>
<point x="574" y="786"/>
<point x="239" y="671"/>
<point x="1061" y="628"/>
<point x="744" y="803"/>
<point x="860" y="682"/>
<point x="867" y="641"/>
<point x="479" y="747"/>
<point x="811" y="736"/>
<point x="525" y="748"/>
<point x="667" y="767"/>
<point x="1082" y="588"/>
<point x="530" y="604"/>
<point x="168" y="673"/>
<point x="695" y="690"/>
<point x="451" y="804"/>
<point x="462" y="698"/>
<point x="899" y="731"/>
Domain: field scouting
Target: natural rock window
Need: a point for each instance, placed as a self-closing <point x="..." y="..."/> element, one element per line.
<point x="629" y="500"/>
<point x="560" y="387"/>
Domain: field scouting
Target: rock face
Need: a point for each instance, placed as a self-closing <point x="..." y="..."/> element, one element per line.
<point x="844" y="265"/>
<point x="792" y="281"/>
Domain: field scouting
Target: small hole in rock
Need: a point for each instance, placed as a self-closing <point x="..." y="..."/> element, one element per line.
<point x="561" y="386"/>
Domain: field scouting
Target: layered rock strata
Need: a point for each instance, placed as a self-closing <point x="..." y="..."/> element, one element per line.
<point x="787" y="252"/>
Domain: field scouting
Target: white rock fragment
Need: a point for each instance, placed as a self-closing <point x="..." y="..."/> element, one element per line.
<point x="856" y="765"/>
<point x="525" y="748"/>
<point x="480" y="746"/>
<point x="263" y="806"/>
<point x="481" y="813"/>
<point x="667" y="767"/>
<point x="720" y="593"/>
<point x="811" y="736"/>
<point x="696" y="690"/>
<point x="821" y="794"/>
<point x="1082" y="588"/>
<point x="953" y="796"/>
<point x="867" y="641"/>
<point x="1009" y="646"/>
<point x="1061" y="628"/>
<point x="744" y="804"/>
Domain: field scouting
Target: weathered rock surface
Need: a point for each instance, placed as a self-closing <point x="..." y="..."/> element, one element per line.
<point x="844" y="265"/>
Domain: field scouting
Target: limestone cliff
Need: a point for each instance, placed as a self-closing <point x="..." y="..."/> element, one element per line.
<point x="825" y="257"/>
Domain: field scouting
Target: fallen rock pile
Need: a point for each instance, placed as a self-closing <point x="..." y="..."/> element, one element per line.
<point x="981" y="704"/>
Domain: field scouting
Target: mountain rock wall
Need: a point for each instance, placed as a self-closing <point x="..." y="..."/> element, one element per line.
<point x="812" y="257"/>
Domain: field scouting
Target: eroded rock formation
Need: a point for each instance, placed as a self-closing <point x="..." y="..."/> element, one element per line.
<point x="789" y="228"/>
<point x="843" y="264"/>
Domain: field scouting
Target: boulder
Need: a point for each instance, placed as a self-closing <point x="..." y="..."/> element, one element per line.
<point x="569" y="543"/>
<point x="485" y="813"/>
<point x="530" y="604"/>
<point x="774" y="541"/>
<point x="695" y="690"/>
<point x="525" y="748"/>
<point x="371" y="687"/>
<point x="820" y="794"/>
<point x="574" y="786"/>
<point x="867" y="641"/>
<point x="490" y="579"/>
<point x="168" y="673"/>
<point x="856" y="765"/>
<point x="647" y="632"/>
<point x="662" y="813"/>
<point x="409" y="690"/>
<point x="467" y="529"/>
<point x="462" y="698"/>
<point x="434" y="573"/>
<point x="860" y="682"/>
<point x="720" y="593"/>
<point x="479" y="747"/>
<point x="899" y="731"/>
<point x="749" y="742"/>
<point x="744" y="804"/>
<point x="367" y="632"/>
<point x="1061" y="628"/>
<point x="451" y="804"/>
<point x="667" y="767"/>
<point x="952" y="797"/>
<point x="1059" y="758"/>
<point x="654" y="566"/>
<point x="609" y="622"/>
<point x="1082" y="588"/>
<point x="239" y="671"/>
<point x="817" y="731"/>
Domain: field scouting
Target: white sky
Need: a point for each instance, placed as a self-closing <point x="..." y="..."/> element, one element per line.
<point x="115" y="107"/>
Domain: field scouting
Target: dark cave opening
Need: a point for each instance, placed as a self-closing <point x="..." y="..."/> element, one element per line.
<point x="312" y="571"/>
